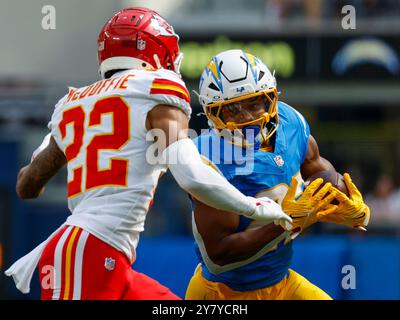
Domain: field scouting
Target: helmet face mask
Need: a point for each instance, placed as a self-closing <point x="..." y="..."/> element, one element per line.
<point x="233" y="89"/>
<point x="138" y="38"/>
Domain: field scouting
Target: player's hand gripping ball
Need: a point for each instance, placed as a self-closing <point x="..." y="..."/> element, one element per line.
<point x="333" y="177"/>
<point x="350" y="209"/>
<point x="304" y="209"/>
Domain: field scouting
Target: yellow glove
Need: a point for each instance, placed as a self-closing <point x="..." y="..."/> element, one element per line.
<point x="351" y="211"/>
<point x="304" y="210"/>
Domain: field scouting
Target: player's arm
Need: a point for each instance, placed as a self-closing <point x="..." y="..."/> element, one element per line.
<point x="304" y="209"/>
<point x="197" y="178"/>
<point x="223" y="244"/>
<point x="33" y="177"/>
<point x="352" y="210"/>
<point x="313" y="161"/>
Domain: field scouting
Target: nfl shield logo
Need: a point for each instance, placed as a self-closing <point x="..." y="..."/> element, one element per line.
<point x="101" y="46"/>
<point x="109" y="264"/>
<point x="279" y="161"/>
<point x="141" y="44"/>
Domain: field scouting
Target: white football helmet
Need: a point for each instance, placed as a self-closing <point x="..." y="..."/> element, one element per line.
<point x="233" y="76"/>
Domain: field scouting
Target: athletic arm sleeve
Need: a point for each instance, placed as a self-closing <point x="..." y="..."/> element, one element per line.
<point x="203" y="182"/>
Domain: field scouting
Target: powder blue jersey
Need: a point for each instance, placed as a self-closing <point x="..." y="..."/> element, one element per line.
<point x="256" y="173"/>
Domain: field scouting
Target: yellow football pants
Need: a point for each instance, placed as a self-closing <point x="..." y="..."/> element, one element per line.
<point x="292" y="287"/>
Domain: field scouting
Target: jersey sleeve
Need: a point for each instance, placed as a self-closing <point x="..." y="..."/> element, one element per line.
<point x="304" y="134"/>
<point x="147" y="89"/>
<point x="55" y="120"/>
<point x="168" y="89"/>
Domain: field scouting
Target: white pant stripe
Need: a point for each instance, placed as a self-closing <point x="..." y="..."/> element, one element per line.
<point x="58" y="263"/>
<point x="78" y="265"/>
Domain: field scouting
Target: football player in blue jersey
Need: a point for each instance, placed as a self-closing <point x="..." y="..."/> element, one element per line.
<point x="264" y="148"/>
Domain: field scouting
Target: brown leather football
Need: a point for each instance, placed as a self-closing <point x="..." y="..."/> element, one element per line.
<point x="330" y="176"/>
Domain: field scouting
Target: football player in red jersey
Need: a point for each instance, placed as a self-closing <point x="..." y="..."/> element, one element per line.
<point x="101" y="132"/>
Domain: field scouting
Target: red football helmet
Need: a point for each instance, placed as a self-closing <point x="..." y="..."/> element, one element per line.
<point x="138" y="38"/>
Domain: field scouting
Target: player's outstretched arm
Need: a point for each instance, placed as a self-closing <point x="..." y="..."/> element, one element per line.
<point x="199" y="179"/>
<point x="44" y="165"/>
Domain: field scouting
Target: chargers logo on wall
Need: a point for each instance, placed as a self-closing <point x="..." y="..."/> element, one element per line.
<point x="366" y="51"/>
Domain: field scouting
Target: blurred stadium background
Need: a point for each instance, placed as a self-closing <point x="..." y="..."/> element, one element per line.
<point x="346" y="83"/>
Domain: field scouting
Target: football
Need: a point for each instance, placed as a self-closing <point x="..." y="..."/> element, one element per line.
<point x="330" y="176"/>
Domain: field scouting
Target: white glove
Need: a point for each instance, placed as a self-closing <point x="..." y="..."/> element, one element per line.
<point x="269" y="211"/>
<point x="43" y="146"/>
